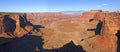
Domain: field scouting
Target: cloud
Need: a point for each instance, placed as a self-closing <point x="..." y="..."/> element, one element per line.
<point x="102" y="5"/>
<point x="105" y="4"/>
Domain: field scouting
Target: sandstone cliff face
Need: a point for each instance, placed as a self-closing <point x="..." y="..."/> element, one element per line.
<point x="86" y="16"/>
<point x="10" y="25"/>
<point x="1" y="25"/>
<point x="107" y="37"/>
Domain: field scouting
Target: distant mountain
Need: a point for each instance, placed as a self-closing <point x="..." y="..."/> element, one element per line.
<point x="73" y="12"/>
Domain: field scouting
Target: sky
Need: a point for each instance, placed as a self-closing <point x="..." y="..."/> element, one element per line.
<point x="57" y="5"/>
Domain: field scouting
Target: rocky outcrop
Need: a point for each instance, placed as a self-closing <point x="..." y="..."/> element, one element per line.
<point x="86" y="16"/>
<point x="11" y="25"/>
<point x="108" y="32"/>
<point x="2" y="30"/>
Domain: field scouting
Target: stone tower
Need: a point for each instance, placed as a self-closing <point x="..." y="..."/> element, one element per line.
<point x="2" y="30"/>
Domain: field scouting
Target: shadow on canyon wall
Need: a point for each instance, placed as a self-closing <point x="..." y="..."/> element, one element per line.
<point x="27" y="43"/>
<point x="30" y="43"/>
<point x="69" y="47"/>
<point x="10" y="24"/>
<point x="98" y="28"/>
<point x="118" y="41"/>
<point x="24" y="22"/>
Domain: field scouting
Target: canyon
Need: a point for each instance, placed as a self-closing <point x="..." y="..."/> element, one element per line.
<point x="90" y="31"/>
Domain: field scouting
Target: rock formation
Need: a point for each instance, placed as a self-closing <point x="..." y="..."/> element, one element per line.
<point x="109" y="29"/>
<point x="11" y="25"/>
<point x="2" y="30"/>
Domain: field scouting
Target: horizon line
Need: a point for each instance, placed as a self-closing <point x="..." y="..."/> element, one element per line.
<point x="54" y="11"/>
